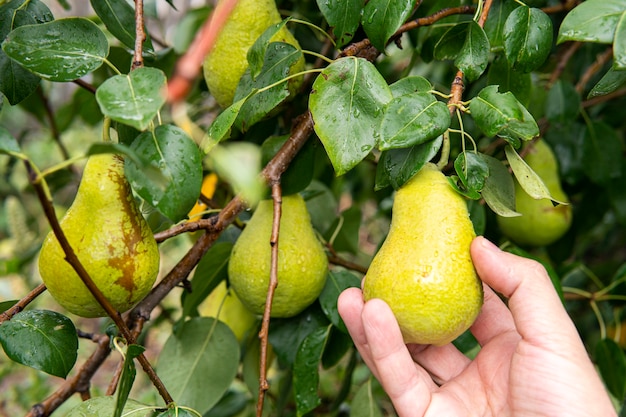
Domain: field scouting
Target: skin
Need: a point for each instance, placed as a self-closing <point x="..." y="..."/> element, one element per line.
<point x="532" y="361"/>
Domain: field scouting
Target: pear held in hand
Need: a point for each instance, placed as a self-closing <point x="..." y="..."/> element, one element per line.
<point x="111" y="239"/>
<point x="302" y="263"/>
<point x="423" y="270"/>
<point x="227" y="61"/>
<point x="541" y="222"/>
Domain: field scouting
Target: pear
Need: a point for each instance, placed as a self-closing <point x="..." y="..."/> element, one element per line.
<point x="541" y="222"/>
<point x="302" y="262"/>
<point x="111" y="239"/>
<point x="224" y="305"/>
<point x="423" y="270"/>
<point x="227" y="61"/>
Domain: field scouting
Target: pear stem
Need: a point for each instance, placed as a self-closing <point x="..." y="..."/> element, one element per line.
<point x="72" y="259"/>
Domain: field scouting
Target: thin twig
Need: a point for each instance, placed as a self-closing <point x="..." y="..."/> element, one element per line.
<point x="273" y="283"/>
<point x="562" y="63"/>
<point x="140" y="35"/>
<point x="20" y="305"/>
<point x="599" y="63"/>
<point x="607" y="97"/>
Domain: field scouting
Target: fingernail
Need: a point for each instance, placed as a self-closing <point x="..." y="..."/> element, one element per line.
<point x="488" y="245"/>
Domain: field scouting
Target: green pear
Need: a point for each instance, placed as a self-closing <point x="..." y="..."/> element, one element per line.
<point x="302" y="262"/>
<point x="227" y="61"/>
<point x="541" y="222"/>
<point x="423" y="270"/>
<point x="111" y="239"/>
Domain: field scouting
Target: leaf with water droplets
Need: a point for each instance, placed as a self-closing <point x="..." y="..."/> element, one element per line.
<point x="527" y="38"/>
<point x="592" y="21"/>
<point x="348" y="128"/>
<point x="306" y="374"/>
<point x="44" y="340"/>
<point x="61" y="50"/>
<point x="178" y="165"/>
<point x="343" y="16"/>
<point x="381" y="19"/>
<point x="133" y="99"/>
<point x="412" y="119"/>
<point x="119" y="18"/>
<point x="16" y="82"/>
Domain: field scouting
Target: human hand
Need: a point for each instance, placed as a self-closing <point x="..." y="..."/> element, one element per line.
<point x="531" y="363"/>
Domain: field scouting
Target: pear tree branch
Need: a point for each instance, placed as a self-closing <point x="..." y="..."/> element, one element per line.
<point x="21" y="304"/>
<point x="273" y="283"/>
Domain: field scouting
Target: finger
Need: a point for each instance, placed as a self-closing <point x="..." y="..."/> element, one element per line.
<point x="408" y="385"/>
<point x="536" y="307"/>
<point x="442" y="362"/>
<point x="494" y="319"/>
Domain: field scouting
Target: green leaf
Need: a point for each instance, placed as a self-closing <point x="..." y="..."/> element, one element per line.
<point x="592" y="21"/>
<point x="381" y="19"/>
<point x="397" y="166"/>
<point x="8" y="144"/>
<point x="612" y="365"/>
<point x="335" y="284"/>
<point x="412" y="119"/>
<point x="528" y="179"/>
<point x="128" y="377"/>
<point x="220" y="128"/>
<point x="343" y="16"/>
<point x="16" y="82"/>
<point x="119" y="18"/>
<point x="198" y="362"/>
<point x="176" y="156"/>
<point x="344" y="232"/>
<point x="305" y="370"/>
<point x="563" y="102"/>
<point x="258" y="50"/>
<point x="211" y="270"/>
<point x="61" y="50"/>
<point x="349" y="128"/>
<point x="286" y="335"/>
<point x="472" y="171"/>
<point x="494" y="26"/>
<point x="104" y="407"/>
<point x="279" y="59"/>
<point x="44" y="340"/>
<point x="133" y="99"/>
<point x="499" y="189"/>
<point x="527" y="38"/>
<point x="450" y="44"/>
<point x="502" y="114"/>
<point x="619" y="44"/>
<point x="364" y="402"/>
<point x="602" y="153"/>
<point x="510" y="79"/>
<point x="611" y="81"/>
<point x="409" y="85"/>
<point x="337" y="345"/>
<point x="474" y="55"/>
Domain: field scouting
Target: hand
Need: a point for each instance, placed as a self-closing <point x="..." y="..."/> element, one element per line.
<point x="532" y="361"/>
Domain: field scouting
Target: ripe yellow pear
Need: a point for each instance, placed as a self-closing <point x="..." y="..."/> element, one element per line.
<point x="541" y="222"/>
<point x="226" y="306"/>
<point x="302" y="262"/>
<point x="423" y="270"/>
<point x="227" y="61"/>
<point x="110" y="238"/>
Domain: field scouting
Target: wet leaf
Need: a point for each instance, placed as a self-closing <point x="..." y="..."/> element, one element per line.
<point x="592" y="21"/>
<point x="381" y="19"/>
<point x="119" y="18"/>
<point x="42" y="339"/>
<point x="349" y="129"/>
<point x="499" y="189"/>
<point x="305" y="372"/>
<point x="61" y="50"/>
<point x="133" y="99"/>
<point x="527" y="38"/>
<point x="343" y="16"/>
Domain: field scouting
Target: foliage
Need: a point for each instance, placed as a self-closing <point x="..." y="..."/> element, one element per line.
<point x="389" y="86"/>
